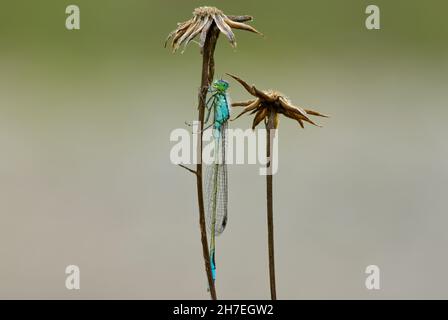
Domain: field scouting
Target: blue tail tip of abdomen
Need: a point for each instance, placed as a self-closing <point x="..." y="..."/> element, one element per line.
<point x="213" y="266"/>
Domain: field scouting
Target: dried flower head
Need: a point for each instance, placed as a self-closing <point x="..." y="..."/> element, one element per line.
<point x="271" y="100"/>
<point x="203" y="19"/>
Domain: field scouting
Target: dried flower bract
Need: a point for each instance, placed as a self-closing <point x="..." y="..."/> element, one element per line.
<point x="271" y="100"/>
<point x="203" y="19"/>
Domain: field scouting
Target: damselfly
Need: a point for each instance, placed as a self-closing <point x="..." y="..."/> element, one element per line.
<point x="216" y="173"/>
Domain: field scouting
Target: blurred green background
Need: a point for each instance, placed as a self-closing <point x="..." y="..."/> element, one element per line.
<point x="85" y="175"/>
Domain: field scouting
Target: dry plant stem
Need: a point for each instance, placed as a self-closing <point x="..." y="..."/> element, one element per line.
<point x="270" y="125"/>
<point x="267" y="106"/>
<point x="208" y="70"/>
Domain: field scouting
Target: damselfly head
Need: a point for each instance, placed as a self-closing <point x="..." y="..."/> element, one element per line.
<point x="220" y="85"/>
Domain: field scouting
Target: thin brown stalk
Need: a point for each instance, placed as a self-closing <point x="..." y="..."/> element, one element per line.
<point x="208" y="22"/>
<point x="208" y="70"/>
<point x="271" y="103"/>
<point x="186" y="168"/>
<point x="270" y="126"/>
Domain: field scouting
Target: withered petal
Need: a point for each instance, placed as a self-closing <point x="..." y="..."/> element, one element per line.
<point x="243" y="83"/>
<point x="294" y="114"/>
<point x="309" y="121"/>
<point x="292" y="108"/>
<point x="253" y="106"/>
<point x="204" y="32"/>
<point x="179" y="32"/>
<point x="296" y="117"/>
<point x="187" y="33"/>
<point x="315" y="113"/>
<point x="251" y="89"/>
<point x="169" y="37"/>
<point x="299" y="117"/>
<point x="180" y="27"/>
<point x="241" y="26"/>
<point x="261" y="114"/>
<point x="240" y="18"/>
<point x="196" y="31"/>
<point x="262" y="95"/>
<point x="256" y="110"/>
<point x="242" y="103"/>
<point x="224" y="28"/>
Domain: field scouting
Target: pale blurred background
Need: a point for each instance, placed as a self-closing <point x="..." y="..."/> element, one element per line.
<point x="85" y="175"/>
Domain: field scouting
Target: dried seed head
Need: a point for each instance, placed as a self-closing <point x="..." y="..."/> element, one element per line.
<point x="274" y="100"/>
<point x="206" y="11"/>
<point x="274" y="94"/>
<point x="204" y="18"/>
